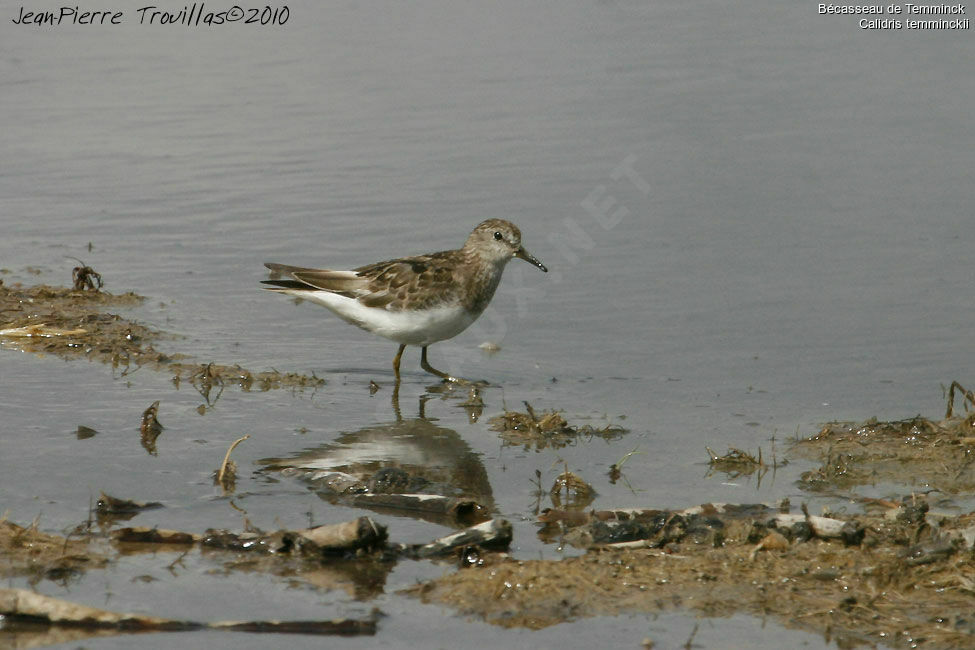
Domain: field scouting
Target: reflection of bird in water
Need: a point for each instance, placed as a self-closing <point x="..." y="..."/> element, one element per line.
<point x="409" y="456"/>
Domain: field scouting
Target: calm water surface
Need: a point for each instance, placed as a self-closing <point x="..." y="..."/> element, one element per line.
<point x="757" y="219"/>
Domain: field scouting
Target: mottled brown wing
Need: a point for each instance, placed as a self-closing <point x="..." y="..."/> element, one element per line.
<point x="411" y="283"/>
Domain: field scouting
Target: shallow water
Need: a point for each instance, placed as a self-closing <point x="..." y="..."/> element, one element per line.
<point x="757" y="219"/>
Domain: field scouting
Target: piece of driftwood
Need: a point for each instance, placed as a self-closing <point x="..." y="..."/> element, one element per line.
<point x="495" y="534"/>
<point x="37" y="608"/>
<point x="631" y="528"/>
<point x="347" y="537"/>
<point x="362" y="534"/>
<point x="21" y="605"/>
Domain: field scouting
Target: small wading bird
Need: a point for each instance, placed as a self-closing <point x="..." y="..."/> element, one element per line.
<point x="414" y="300"/>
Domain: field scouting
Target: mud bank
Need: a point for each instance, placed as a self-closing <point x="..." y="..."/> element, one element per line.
<point x="81" y="323"/>
<point x="900" y="573"/>
<point x="896" y="571"/>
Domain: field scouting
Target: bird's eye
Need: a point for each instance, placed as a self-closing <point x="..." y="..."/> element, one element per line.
<point x="498" y="236"/>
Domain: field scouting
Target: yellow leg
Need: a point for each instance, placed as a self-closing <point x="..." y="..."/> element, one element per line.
<point x="399" y="355"/>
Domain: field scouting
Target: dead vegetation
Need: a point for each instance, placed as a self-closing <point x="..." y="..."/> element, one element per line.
<point x="77" y="323"/>
<point x="936" y="454"/>
<point x="28" y="552"/>
<point x="207" y="376"/>
<point x="968" y="398"/>
<point x="736" y="461"/>
<point x="226" y="476"/>
<point x="549" y="429"/>
<point x="73" y="324"/>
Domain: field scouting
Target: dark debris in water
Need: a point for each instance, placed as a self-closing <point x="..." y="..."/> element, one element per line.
<point x="738" y="462"/>
<point x="547" y="429"/>
<point x="150" y="428"/>
<point x="331" y="542"/>
<point x="84" y="433"/>
<point x="109" y="505"/>
<point x="86" y="278"/>
<point x="571" y="490"/>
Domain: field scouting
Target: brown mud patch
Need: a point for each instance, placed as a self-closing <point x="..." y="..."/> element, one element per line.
<point x="910" y="582"/>
<point x="73" y="324"/>
<point x="78" y="323"/>
<point x="900" y="574"/>
<point x="934" y="455"/>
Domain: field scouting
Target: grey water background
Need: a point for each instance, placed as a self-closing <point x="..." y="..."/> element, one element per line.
<point x="757" y="219"/>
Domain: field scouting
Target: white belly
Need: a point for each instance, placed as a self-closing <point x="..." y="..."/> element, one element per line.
<point x="422" y="327"/>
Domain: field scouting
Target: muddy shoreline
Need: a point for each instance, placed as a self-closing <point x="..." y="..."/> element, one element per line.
<point x="80" y="323"/>
<point x="902" y="574"/>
